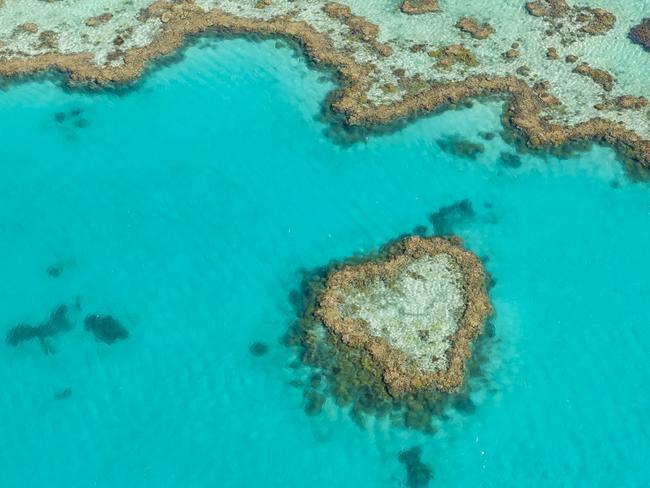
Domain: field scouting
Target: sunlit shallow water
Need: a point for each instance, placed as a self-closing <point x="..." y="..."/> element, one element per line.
<point x="188" y="207"/>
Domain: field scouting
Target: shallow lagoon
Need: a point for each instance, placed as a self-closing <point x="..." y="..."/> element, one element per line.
<point x="187" y="208"/>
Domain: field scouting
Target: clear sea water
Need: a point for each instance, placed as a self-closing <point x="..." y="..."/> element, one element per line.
<point x="188" y="207"/>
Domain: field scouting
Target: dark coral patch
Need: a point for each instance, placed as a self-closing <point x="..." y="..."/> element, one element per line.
<point x="54" y="271"/>
<point x="58" y="322"/>
<point x="640" y="34"/>
<point x="63" y="394"/>
<point x="461" y="147"/>
<point x="258" y="349"/>
<point x="445" y="219"/>
<point x="418" y="474"/>
<point x="105" y="328"/>
<point x="509" y="160"/>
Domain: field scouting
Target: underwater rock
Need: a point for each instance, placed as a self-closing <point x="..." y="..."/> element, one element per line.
<point x="640" y="34"/>
<point x="448" y="216"/>
<point x="105" y="328"/>
<point x="415" y="312"/>
<point x="58" y="322"/>
<point x="258" y="349"/>
<point x="418" y="474"/>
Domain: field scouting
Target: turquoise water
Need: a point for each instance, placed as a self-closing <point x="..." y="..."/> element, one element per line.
<point x="188" y="207"/>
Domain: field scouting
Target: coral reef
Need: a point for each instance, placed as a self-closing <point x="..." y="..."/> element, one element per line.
<point x="448" y="56"/>
<point x="258" y="349"/>
<point x="640" y="34"/>
<point x="63" y="394"/>
<point x="417" y="7"/>
<point x="547" y="8"/>
<point x="509" y="160"/>
<point x="461" y="147"/>
<point x="418" y="474"/>
<point x="473" y="28"/>
<point x="366" y="55"/>
<point x="595" y="21"/>
<point x="353" y="378"/>
<point x="599" y="76"/>
<point x="359" y="27"/>
<point x="416" y="313"/>
<point x="57" y="323"/>
<point x="447" y="217"/>
<point x="105" y="328"/>
<point x="54" y="271"/>
<point x="624" y="102"/>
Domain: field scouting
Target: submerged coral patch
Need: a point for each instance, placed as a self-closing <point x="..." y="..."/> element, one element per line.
<point x="509" y="160"/>
<point x="258" y="349"/>
<point x="461" y="147"/>
<point x="105" y="328"/>
<point x="418" y="474"/>
<point x="63" y="394"/>
<point x="417" y="7"/>
<point x="447" y="217"/>
<point x="57" y="323"/>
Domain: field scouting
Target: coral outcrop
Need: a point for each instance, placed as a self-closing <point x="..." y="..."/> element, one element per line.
<point x="417" y="7"/>
<point x="473" y="28"/>
<point x="640" y="34"/>
<point x="416" y="313"/>
<point x="599" y="76"/>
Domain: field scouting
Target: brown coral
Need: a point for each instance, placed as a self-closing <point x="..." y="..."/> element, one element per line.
<point x="99" y="19"/>
<point x="400" y="374"/>
<point x="522" y="112"/>
<point x="598" y="21"/>
<point x="359" y="27"/>
<point x="473" y="28"/>
<point x="599" y="76"/>
<point x="547" y="8"/>
<point x="417" y="7"/>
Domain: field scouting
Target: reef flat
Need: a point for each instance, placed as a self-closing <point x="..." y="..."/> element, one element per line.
<point x="562" y="67"/>
<point x="416" y="312"/>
